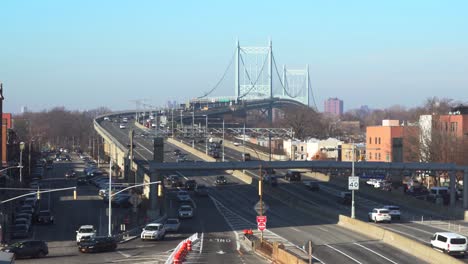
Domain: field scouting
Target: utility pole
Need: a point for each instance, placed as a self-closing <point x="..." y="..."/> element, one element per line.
<point x="21" y="146"/>
<point x="223" y="140"/>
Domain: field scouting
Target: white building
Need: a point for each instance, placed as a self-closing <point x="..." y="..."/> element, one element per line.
<point x="306" y="150"/>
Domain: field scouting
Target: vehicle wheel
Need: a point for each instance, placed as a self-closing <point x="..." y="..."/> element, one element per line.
<point x="41" y="254"/>
<point x="369" y="219"/>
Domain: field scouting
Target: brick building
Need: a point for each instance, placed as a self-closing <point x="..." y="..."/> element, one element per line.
<point x="333" y="106"/>
<point x="391" y="142"/>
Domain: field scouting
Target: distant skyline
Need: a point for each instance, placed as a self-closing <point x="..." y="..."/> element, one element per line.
<point x="87" y="54"/>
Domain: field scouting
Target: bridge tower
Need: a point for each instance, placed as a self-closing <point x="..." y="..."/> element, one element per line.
<point x="253" y="72"/>
<point x="296" y="84"/>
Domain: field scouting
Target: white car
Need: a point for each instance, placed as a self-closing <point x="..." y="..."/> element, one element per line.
<point x="153" y="231"/>
<point x="394" y="211"/>
<point x="122" y="126"/>
<point x="185" y="211"/>
<point x="450" y="243"/>
<point x="236" y="144"/>
<point x="172" y="224"/>
<point x="380" y="215"/>
<point x="85" y="232"/>
<point x="106" y="118"/>
<point x="183" y="196"/>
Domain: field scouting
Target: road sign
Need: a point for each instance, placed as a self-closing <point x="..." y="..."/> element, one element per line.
<point x="261" y="219"/>
<point x="353" y="183"/>
<point x="261" y="226"/>
<point x="257" y="208"/>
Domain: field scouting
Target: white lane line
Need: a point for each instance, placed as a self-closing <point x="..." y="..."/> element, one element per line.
<point x="339" y="251"/>
<point x="415" y="228"/>
<point x="124" y="254"/>
<point x="295" y="229"/>
<point x="201" y="242"/>
<point x="323" y="229"/>
<point x="378" y="254"/>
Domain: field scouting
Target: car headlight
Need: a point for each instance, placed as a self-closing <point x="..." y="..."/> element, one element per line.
<point x="6" y="250"/>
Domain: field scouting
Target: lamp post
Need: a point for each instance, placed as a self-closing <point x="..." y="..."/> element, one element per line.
<point x="21" y="146"/>
<point x="243" y="144"/>
<point x="353" y="210"/>
<point x="193" y="128"/>
<point x="206" y="135"/>
<point x="223" y="140"/>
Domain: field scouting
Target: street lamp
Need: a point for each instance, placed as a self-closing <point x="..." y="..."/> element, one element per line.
<point x="223" y="140"/>
<point x="193" y="129"/>
<point x="206" y="135"/>
<point x="21" y="146"/>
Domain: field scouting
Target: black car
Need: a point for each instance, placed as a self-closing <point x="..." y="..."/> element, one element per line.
<point x="292" y="175"/>
<point x="45" y="217"/>
<point x="30" y="248"/>
<point x="190" y="184"/>
<point x="312" y="185"/>
<point x="176" y="152"/>
<point x="221" y="180"/>
<point x="98" y="244"/>
<point x="70" y="174"/>
<point x="82" y="180"/>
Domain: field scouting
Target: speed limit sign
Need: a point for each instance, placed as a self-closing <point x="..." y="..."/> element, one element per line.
<point x="353" y="183"/>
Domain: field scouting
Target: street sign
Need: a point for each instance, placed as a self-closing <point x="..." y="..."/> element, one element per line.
<point x="258" y="208"/>
<point x="353" y="183"/>
<point x="261" y="219"/>
<point x="261" y="226"/>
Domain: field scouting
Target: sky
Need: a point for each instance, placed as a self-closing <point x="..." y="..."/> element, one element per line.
<point x="87" y="54"/>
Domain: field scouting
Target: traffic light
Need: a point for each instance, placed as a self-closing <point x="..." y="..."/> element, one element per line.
<point x="38" y="195"/>
<point x="74" y="194"/>
<point x="160" y="190"/>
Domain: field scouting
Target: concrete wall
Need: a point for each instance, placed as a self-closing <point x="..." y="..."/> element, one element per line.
<point x="400" y="242"/>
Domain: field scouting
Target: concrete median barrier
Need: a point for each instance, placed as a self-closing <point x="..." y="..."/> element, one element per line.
<point x="398" y="241"/>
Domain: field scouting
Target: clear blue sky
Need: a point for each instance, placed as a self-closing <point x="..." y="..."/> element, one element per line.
<point x="84" y="54"/>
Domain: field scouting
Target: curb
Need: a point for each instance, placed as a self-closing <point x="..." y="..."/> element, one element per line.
<point x="128" y="239"/>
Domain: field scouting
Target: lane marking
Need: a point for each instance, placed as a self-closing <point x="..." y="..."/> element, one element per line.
<point x="415" y="228"/>
<point x="323" y="229"/>
<point x="124" y="254"/>
<point x="406" y="234"/>
<point x="378" y="254"/>
<point x="295" y="229"/>
<point x="337" y="250"/>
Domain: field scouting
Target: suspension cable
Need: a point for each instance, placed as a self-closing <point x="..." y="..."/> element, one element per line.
<point x="248" y="76"/>
<point x="222" y="78"/>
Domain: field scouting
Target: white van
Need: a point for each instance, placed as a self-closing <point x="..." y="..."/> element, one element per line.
<point x="450" y="243"/>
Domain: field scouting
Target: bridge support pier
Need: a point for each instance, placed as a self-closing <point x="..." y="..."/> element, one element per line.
<point x="465" y="189"/>
<point x="452" y="188"/>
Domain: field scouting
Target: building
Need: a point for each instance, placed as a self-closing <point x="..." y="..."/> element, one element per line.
<point x="444" y="138"/>
<point x="392" y="142"/>
<point x="313" y="149"/>
<point x="347" y="152"/>
<point x="333" y="106"/>
<point x="24" y="109"/>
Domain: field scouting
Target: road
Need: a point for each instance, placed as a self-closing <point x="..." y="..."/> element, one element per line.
<point x="235" y="202"/>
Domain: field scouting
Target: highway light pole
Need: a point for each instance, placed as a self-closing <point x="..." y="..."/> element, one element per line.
<point x="193" y="128"/>
<point x="243" y="144"/>
<point x="110" y="200"/>
<point x="206" y="135"/>
<point x="223" y="140"/>
<point x="353" y="210"/>
<point x="172" y="122"/>
<point x="21" y="146"/>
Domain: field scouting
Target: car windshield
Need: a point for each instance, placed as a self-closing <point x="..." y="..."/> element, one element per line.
<point x="172" y="221"/>
<point x="86" y="230"/>
<point x="458" y="241"/>
<point x="186" y="208"/>
<point x="384" y="211"/>
<point x="393" y="208"/>
<point x="152" y="228"/>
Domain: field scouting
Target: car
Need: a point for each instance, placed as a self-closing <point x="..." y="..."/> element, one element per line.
<point x="190" y="184"/>
<point x="172" y="225"/>
<point x="70" y="174"/>
<point x="82" y="180"/>
<point x="176" y="152"/>
<point x="183" y="196"/>
<point x="312" y="185"/>
<point x="153" y="231"/>
<point x="98" y="244"/>
<point x="379" y="215"/>
<point x="121" y="200"/>
<point x="122" y="126"/>
<point x="293" y="175"/>
<point x="221" y="180"/>
<point x="175" y="181"/>
<point x="236" y="144"/>
<point x="185" y="211"/>
<point x="450" y="243"/>
<point x="201" y="190"/>
<point x="20" y="231"/>
<point x="394" y="211"/>
<point x="85" y="232"/>
<point x="45" y="217"/>
<point x="29" y="248"/>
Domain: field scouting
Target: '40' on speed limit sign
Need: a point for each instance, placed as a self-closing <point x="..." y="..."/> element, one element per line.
<point x="353" y="183"/>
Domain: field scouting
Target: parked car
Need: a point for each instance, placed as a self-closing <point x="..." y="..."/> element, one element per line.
<point x="312" y="185"/>
<point x="450" y="243"/>
<point x="20" y="231"/>
<point x="183" y="196"/>
<point x="379" y="215"/>
<point x="85" y="232"/>
<point x="29" y="248"/>
<point x="185" y="211"/>
<point x="172" y="224"/>
<point x="98" y="244"/>
<point x="70" y="174"/>
<point x="153" y="231"/>
<point x="221" y="180"/>
<point x="190" y="184"/>
<point x="45" y="217"/>
<point x="394" y="211"/>
<point x="201" y="190"/>
<point x="293" y="175"/>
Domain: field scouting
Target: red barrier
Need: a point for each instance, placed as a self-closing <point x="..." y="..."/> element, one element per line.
<point x="189" y="245"/>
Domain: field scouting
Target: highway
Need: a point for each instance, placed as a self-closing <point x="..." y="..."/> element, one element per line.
<point x="235" y="201"/>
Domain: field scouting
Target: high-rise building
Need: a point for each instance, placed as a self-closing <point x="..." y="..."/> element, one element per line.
<point x="24" y="109"/>
<point x="333" y="106"/>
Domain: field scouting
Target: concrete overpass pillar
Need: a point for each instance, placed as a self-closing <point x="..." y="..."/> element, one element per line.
<point x="154" y="203"/>
<point x="453" y="191"/>
<point x="465" y="189"/>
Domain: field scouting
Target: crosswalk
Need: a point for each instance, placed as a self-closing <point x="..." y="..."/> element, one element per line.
<point x="239" y="223"/>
